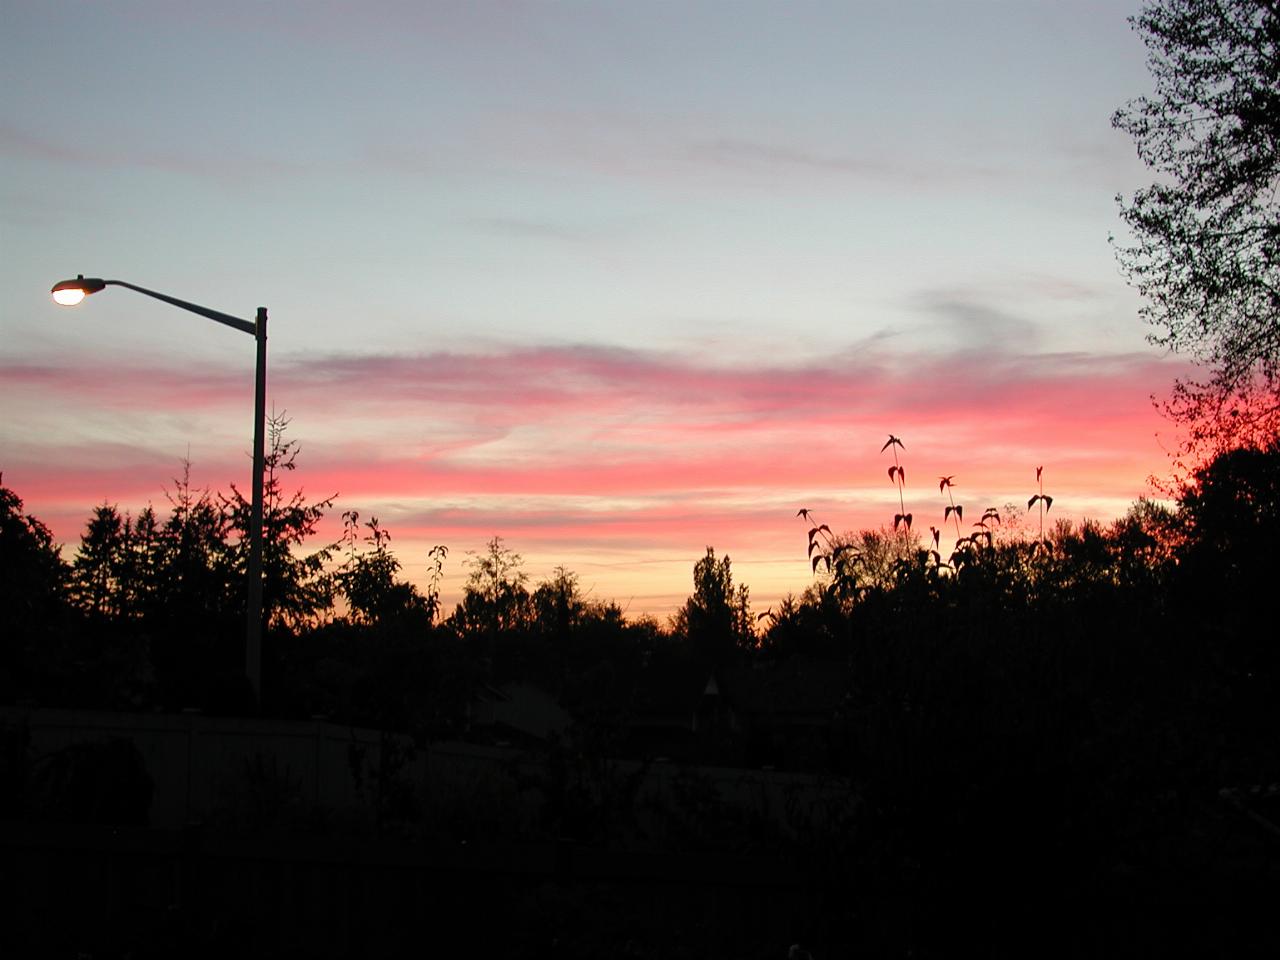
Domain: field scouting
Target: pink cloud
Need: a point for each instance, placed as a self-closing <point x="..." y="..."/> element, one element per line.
<point x="572" y="451"/>
<point x="222" y="168"/>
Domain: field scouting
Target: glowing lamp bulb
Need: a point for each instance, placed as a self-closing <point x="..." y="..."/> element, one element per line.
<point x="68" y="297"/>
<point x="70" y="292"/>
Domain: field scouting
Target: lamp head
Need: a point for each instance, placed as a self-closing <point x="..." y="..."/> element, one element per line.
<point x="70" y="292"/>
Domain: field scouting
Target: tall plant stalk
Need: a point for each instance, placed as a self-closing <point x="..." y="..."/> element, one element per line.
<point x="897" y="476"/>
<point x="1042" y="498"/>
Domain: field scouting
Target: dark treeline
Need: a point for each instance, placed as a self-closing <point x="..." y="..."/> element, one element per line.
<point x="1097" y="702"/>
<point x="149" y="610"/>
<point x="1085" y="629"/>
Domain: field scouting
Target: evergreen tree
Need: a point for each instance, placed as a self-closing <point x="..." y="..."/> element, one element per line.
<point x="296" y="587"/>
<point x="97" y="571"/>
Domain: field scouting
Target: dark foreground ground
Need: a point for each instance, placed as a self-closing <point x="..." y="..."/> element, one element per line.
<point x="134" y="892"/>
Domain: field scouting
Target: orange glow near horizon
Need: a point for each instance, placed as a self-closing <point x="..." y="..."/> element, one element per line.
<point x="621" y="467"/>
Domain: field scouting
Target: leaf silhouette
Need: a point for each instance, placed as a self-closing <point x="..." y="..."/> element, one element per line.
<point x="803" y="512"/>
<point x="813" y="545"/>
<point x="1038" y="469"/>
<point x="897" y="519"/>
<point x="907" y="518"/>
<point x="823" y="526"/>
<point x="813" y="532"/>
<point x="936" y="534"/>
<point x="1032" y="502"/>
<point x="893" y="472"/>
<point x="944" y="482"/>
<point x="817" y="560"/>
<point x="1048" y="502"/>
<point x="767" y="613"/>
<point x="959" y="511"/>
<point x="892" y="441"/>
<point x="946" y="514"/>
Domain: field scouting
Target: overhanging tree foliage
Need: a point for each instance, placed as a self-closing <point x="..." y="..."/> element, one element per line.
<point x="1205" y="244"/>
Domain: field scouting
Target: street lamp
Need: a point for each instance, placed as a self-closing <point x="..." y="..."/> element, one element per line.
<point x="69" y="293"/>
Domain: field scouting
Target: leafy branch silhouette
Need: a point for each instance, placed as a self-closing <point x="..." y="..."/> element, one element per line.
<point x="1043" y="499"/>
<point x="898" y="477"/>
<point x="842" y="559"/>
<point x="945" y="484"/>
<point x="821" y="540"/>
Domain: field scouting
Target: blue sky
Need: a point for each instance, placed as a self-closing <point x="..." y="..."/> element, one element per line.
<point x="520" y="237"/>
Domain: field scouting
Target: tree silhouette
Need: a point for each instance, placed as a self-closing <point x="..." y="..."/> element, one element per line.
<point x="97" y="571"/>
<point x="496" y="598"/>
<point x="163" y="598"/>
<point x="716" y="618"/>
<point x="558" y="604"/>
<point x="1206" y="236"/>
<point x="367" y="579"/>
<point x="296" y="586"/>
<point x="191" y="564"/>
<point x="33" y="593"/>
<point x="1230" y="518"/>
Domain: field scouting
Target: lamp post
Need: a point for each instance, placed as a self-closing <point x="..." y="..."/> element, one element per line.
<point x="69" y="293"/>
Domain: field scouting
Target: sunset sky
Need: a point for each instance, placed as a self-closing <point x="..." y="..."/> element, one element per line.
<point x="614" y="281"/>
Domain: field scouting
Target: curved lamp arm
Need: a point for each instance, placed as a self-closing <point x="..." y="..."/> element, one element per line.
<point x="86" y="285"/>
